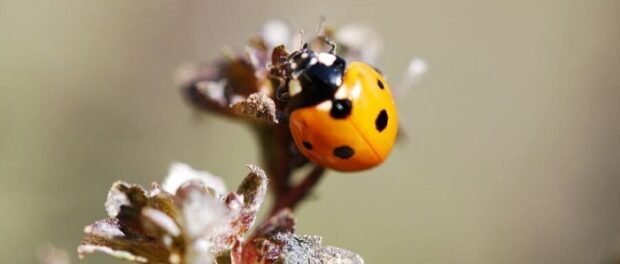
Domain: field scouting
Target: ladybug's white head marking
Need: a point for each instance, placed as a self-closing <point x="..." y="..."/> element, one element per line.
<point x="341" y="93"/>
<point x="312" y="61"/>
<point x="326" y="58"/>
<point x="325" y="106"/>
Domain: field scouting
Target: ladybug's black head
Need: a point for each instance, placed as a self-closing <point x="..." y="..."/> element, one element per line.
<point x="319" y="75"/>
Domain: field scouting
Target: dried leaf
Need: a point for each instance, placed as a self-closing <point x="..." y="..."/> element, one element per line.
<point x="123" y="194"/>
<point x="241" y="77"/>
<point x="113" y="237"/>
<point x="191" y="226"/>
<point x="287" y="248"/>
<point x="308" y="249"/>
<point x="215" y="90"/>
<point x="136" y="228"/>
<point x="257" y="106"/>
<point x="276" y="242"/>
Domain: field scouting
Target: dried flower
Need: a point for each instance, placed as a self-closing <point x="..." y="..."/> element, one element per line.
<point x="276" y="242"/>
<point x="193" y="221"/>
<point x="191" y="225"/>
<point x="257" y="106"/>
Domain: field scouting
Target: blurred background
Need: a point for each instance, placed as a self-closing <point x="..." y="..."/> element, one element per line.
<point x="513" y="149"/>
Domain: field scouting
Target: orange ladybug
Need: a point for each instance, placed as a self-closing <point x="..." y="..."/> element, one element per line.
<point x="341" y="117"/>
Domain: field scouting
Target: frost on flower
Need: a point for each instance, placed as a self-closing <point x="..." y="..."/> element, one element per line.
<point x="197" y="223"/>
<point x="276" y="242"/>
<point x="191" y="225"/>
<point x="180" y="173"/>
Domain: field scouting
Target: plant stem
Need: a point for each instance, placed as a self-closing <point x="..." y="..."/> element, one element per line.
<point x="275" y="143"/>
<point x="295" y="195"/>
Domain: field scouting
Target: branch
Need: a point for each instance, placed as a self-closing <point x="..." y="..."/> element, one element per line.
<point x="295" y="195"/>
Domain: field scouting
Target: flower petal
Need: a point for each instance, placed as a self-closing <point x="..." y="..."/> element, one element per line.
<point x="180" y="173"/>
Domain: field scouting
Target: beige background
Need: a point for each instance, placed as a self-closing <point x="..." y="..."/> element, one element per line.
<point x="514" y="147"/>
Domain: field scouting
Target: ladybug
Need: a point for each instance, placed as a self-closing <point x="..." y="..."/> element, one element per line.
<point x="342" y="116"/>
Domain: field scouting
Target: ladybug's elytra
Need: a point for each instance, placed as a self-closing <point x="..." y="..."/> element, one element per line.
<point x="342" y="117"/>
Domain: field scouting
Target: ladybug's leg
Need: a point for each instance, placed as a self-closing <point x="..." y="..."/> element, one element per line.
<point x="320" y="32"/>
<point x="282" y="117"/>
<point x="282" y="93"/>
<point x="331" y="44"/>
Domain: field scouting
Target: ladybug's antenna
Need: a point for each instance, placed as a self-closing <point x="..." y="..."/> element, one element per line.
<point x="301" y="40"/>
<point x="332" y="45"/>
<point x="320" y="31"/>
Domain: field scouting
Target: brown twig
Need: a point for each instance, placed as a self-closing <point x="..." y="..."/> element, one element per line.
<point x="276" y="146"/>
<point x="296" y="194"/>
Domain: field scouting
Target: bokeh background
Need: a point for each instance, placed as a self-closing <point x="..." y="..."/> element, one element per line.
<point x="513" y="150"/>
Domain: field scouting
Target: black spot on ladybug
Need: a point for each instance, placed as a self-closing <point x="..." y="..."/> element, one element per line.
<point x="307" y="145"/>
<point x="381" y="121"/>
<point x="344" y="152"/>
<point x="380" y="83"/>
<point x="341" y="108"/>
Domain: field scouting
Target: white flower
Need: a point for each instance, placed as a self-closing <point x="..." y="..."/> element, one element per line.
<point x="180" y="173"/>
